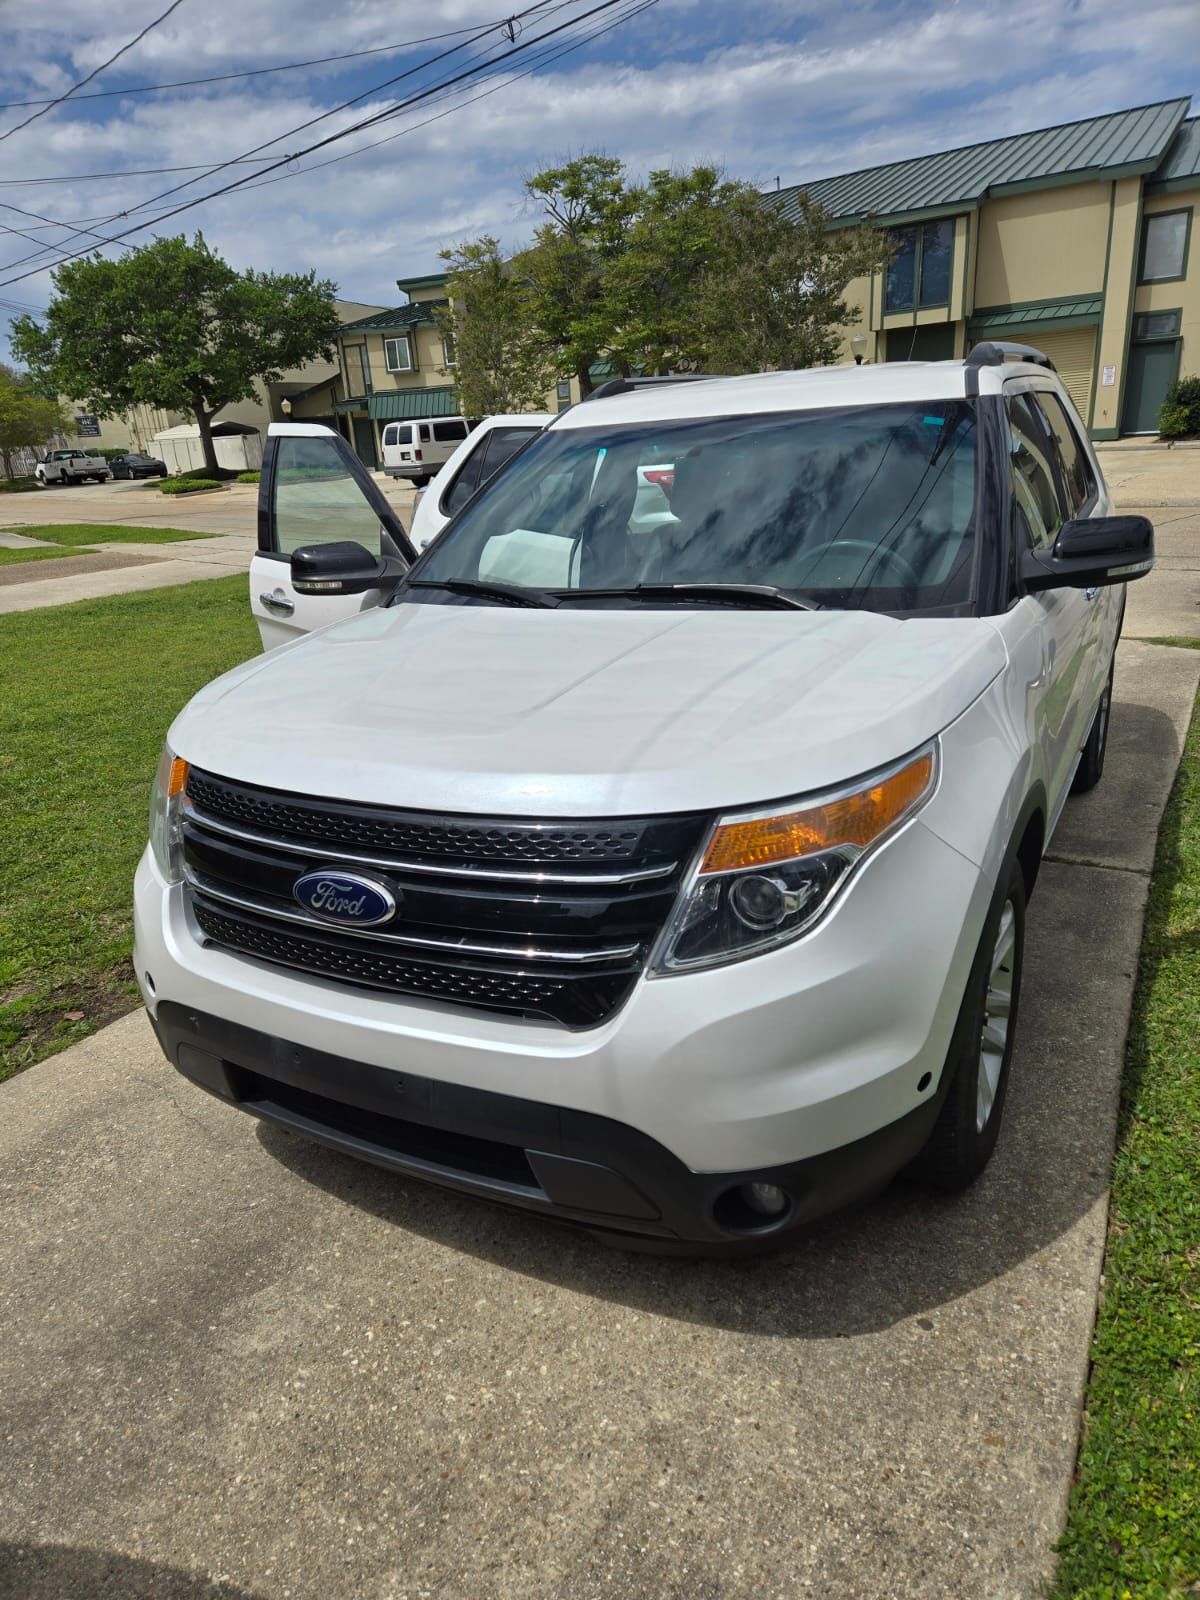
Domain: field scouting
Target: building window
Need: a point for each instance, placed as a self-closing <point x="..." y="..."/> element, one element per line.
<point x="1156" y="325"/>
<point x="1164" y="246"/>
<point x="397" y="354"/>
<point x="358" y="351"/>
<point x="449" y="359"/>
<point x="918" y="275"/>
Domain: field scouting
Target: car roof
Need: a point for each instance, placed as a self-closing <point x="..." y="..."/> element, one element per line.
<point x="809" y="390"/>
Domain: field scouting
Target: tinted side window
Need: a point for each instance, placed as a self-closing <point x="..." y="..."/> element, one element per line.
<point x="423" y="432"/>
<point x="1032" y="472"/>
<point x="450" y="432"/>
<point x="317" y="500"/>
<point x="1076" y="469"/>
<point x="500" y="444"/>
<point x="465" y="484"/>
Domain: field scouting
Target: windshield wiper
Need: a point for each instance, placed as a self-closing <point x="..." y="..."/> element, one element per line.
<point x="511" y="593"/>
<point x="757" y="594"/>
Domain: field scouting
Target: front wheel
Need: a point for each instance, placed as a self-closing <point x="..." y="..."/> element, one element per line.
<point x="980" y="1055"/>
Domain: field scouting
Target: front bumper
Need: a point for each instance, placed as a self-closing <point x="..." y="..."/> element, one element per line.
<point x="571" y="1165"/>
<point x="809" y="1052"/>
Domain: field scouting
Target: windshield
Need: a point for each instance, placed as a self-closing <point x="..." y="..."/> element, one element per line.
<point x="858" y="506"/>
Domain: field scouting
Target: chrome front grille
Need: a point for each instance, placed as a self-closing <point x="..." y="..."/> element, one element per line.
<point x="557" y="926"/>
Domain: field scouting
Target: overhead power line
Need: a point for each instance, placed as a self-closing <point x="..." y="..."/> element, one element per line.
<point x="478" y="34"/>
<point x="95" y="73"/>
<point x="252" y="72"/>
<point x="366" y="122"/>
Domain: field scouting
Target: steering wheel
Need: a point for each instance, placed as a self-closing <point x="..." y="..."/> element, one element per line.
<point x="876" y="558"/>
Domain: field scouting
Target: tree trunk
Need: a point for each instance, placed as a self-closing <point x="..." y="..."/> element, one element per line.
<point x="204" y="422"/>
<point x="584" y="378"/>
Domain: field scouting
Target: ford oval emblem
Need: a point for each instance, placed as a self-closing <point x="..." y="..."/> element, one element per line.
<point x="345" y="897"/>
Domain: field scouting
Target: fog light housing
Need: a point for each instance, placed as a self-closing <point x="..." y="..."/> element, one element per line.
<point x="767" y="1198"/>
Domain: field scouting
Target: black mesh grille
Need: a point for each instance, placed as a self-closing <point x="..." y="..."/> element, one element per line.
<point x="576" y="1001"/>
<point x="419" y="834"/>
<point x="608" y="928"/>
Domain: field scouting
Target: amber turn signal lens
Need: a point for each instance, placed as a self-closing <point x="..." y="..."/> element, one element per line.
<point x="176" y="778"/>
<point x="857" y="819"/>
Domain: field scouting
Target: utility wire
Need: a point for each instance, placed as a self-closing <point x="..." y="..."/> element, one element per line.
<point x="548" y="58"/>
<point x="254" y="72"/>
<point x="95" y="73"/>
<point x="211" y="171"/>
<point x="121" y="172"/>
<point x="471" y="72"/>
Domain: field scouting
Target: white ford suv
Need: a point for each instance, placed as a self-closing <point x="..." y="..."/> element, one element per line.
<point x="665" y="875"/>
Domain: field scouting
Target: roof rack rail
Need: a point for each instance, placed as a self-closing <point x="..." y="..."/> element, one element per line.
<point x="994" y="353"/>
<point x="628" y="385"/>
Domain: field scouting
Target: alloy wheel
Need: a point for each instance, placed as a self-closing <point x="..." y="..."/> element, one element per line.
<point x="997" y="1008"/>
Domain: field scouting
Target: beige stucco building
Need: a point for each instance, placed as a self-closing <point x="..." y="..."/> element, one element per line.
<point x="1076" y="239"/>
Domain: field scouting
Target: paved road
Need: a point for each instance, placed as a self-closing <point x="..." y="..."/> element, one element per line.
<point x="234" y="1364"/>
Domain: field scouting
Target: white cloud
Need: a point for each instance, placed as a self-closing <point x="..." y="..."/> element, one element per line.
<point x="796" y="91"/>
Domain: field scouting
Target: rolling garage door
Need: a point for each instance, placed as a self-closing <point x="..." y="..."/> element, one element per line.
<point x="1073" y="352"/>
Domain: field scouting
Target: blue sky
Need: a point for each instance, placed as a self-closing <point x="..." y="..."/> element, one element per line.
<point x="763" y="87"/>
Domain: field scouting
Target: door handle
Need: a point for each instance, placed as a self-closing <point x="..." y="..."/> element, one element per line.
<point x="1090" y="594"/>
<point x="278" y="602"/>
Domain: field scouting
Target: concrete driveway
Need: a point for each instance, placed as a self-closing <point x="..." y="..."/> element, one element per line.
<point x="236" y="1364"/>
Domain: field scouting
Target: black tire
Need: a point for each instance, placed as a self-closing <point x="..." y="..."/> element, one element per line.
<point x="959" y="1148"/>
<point x="1091" y="760"/>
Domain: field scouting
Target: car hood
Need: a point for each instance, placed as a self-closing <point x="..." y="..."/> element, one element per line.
<point x="576" y="712"/>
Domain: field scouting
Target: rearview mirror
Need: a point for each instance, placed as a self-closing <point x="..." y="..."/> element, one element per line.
<point x="341" y="567"/>
<point x="1090" y="552"/>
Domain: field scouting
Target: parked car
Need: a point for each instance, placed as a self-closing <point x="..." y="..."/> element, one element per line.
<point x="135" y="465"/>
<point x="671" y="883"/>
<point x="71" y="466"/>
<point x="480" y="455"/>
<point x="415" y="450"/>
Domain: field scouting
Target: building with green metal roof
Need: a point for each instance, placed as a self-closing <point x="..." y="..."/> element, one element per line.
<point x="1075" y="238"/>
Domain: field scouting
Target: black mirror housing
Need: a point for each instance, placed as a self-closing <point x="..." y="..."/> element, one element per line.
<point x="340" y="567"/>
<point x="1090" y="552"/>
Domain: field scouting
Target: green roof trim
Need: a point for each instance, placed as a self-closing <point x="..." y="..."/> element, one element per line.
<point x="431" y="280"/>
<point x="1081" y="309"/>
<point x="398" y="320"/>
<point x="401" y="405"/>
<point x="1181" y="168"/>
<point x="1133" y="141"/>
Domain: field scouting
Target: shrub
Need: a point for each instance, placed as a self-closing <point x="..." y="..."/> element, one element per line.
<point x="182" y="485"/>
<point x="1181" y="401"/>
<point x="1172" y="421"/>
<point x="248" y="477"/>
<point x="108" y="452"/>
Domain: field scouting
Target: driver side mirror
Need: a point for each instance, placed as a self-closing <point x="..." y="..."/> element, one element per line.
<point x="1090" y="552"/>
<point x="341" y="567"/>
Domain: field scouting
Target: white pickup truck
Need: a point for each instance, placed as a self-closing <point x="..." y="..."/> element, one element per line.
<point x="72" y="466"/>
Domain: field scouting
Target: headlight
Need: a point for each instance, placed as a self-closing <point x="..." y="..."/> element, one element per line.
<point x="766" y="876"/>
<point x="166" y="815"/>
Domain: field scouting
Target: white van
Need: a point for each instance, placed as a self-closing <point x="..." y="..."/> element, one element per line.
<point x="415" y="450"/>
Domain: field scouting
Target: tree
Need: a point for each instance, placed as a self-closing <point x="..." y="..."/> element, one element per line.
<point x="173" y="325"/>
<point x="27" y="418"/>
<point x="679" y="237"/>
<point x="588" y="209"/>
<point x="502" y="363"/>
<point x="775" y="299"/>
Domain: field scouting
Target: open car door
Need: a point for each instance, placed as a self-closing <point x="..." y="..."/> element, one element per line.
<point x="314" y="491"/>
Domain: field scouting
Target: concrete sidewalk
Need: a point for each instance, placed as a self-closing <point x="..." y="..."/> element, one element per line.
<point x="236" y="1364"/>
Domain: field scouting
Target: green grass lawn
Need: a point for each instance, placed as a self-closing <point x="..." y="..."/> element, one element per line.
<point x="1134" y="1524"/>
<point x="11" y="558"/>
<point x="74" y="533"/>
<point x="79" y="539"/>
<point x="89" y="691"/>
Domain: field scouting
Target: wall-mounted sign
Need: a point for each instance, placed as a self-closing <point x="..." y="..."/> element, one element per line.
<point x="88" y="427"/>
<point x="1108" y="377"/>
